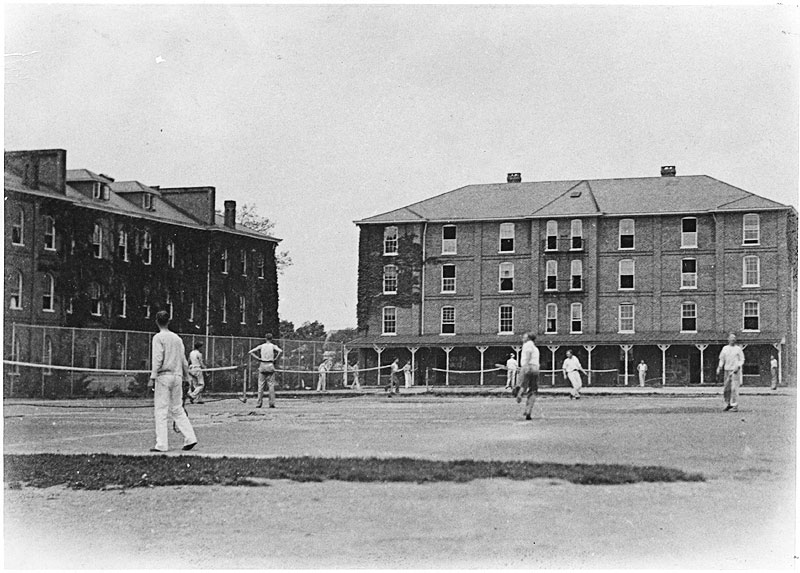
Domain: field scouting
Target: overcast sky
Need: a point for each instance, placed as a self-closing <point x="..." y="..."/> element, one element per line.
<point x="321" y="115"/>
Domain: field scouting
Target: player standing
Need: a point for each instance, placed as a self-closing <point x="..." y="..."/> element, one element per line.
<point x="731" y="360"/>
<point x="511" y="371"/>
<point x="196" y="365"/>
<point x="572" y="369"/>
<point x="641" y="368"/>
<point x="530" y="372"/>
<point x="394" y="378"/>
<point x="266" y="354"/>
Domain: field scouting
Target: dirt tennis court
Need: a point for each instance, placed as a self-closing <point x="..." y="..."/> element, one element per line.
<point x="743" y="516"/>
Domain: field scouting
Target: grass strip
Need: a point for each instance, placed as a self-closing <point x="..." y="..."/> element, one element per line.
<point x="101" y="471"/>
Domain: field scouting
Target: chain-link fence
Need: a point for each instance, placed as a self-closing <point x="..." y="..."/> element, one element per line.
<point x="77" y="362"/>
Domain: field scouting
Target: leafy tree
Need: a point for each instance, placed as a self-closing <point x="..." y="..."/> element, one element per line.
<point x="343" y="336"/>
<point x="310" y="331"/>
<point x="247" y="215"/>
<point x="286" y="329"/>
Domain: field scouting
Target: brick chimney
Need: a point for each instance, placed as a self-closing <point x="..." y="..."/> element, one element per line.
<point x="230" y="214"/>
<point x="514" y="178"/>
<point x="667" y="171"/>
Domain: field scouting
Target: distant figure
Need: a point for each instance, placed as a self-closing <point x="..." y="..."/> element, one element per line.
<point x="731" y="360"/>
<point x="530" y="373"/>
<point x="196" y="365"/>
<point x="511" y="371"/>
<point x="407" y="373"/>
<point x="572" y="369"/>
<point x="168" y="372"/>
<point x="394" y="378"/>
<point x="322" y="382"/>
<point x="773" y="371"/>
<point x="356" y="383"/>
<point x="641" y="368"/>
<point x="266" y="354"/>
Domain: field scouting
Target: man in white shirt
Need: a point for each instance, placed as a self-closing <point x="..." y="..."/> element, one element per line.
<point x="511" y="371"/>
<point x="731" y="360"/>
<point x="641" y="368"/>
<point x="322" y="370"/>
<point x="266" y="354"/>
<point x="572" y="369"/>
<point x="394" y="378"/>
<point x="529" y="360"/>
<point x="196" y="366"/>
<point x="773" y="371"/>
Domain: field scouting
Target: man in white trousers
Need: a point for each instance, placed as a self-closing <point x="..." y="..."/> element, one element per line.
<point x="641" y="368"/>
<point x="572" y="369"/>
<point x="529" y="360"/>
<point x="266" y="354"/>
<point x="196" y="365"/>
<point x="169" y="371"/>
<point x="731" y="360"/>
<point x="511" y="371"/>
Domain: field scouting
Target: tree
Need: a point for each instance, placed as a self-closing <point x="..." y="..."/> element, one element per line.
<point x="310" y="331"/>
<point x="343" y="336"/>
<point x="286" y="329"/>
<point x="248" y="216"/>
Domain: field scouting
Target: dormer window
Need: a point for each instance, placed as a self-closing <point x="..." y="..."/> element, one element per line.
<point x="100" y="191"/>
<point x="147" y="201"/>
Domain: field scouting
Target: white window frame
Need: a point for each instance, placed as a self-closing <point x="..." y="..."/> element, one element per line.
<point x="551" y="270"/>
<point x="147" y="201"/>
<point x="631" y="318"/>
<point x="575" y="315"/>
<point x="261" y="264"/>
<point x="48" y="293"/>
<point x="689" y="238"/>
<point x="451" y="320"/>
<point x="170" y="306"/>
<point x="572" y="274"/>
<point x="122" y="244"/>
<point x="224" y="308"/>
<point x="243" y="309"/>
<point x="19" y="227"/>
<point x="688" y="305"/>
<point x="226" y="261"/>
<point x="390" y="241"/>
<point x="97" y="192"/>
<point x="551" y="230"/>
<point x="623" y="224"/>
<point x="243" y="254"/>
<point x="576" y="232"/>
<point x="507" y="232"/>
<point x="96" y="303"/>
<point x="147" y="248"/>
<point x="49" y="233"/>
<point x="389" y="319"/>
<point x="450" y="246"/>
<point x="548" y="316"/>
<point x="191" y="311"/>
<point x="745" y="283"/>
<point x="260" y="313"/>
<point x="506" y="269"/>
<point x="632" y="274"/>
<point x="171" y="253"/>
<point x="750" y="228"/>
<point x="97" y="241"/>
<point x="15" y="296"/>
<point x="689" y="279"/>
<point x="745" y="315"/>
<point x="48" y="355"/>
<point x="448" y="282"/>
<point x="508" y="319"/>
<point x="94" y="353"/>
<point x="388" y="280"/>
<point x="124" y="303"/>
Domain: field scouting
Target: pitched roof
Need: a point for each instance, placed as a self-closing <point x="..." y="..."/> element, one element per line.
<point x="219" y="222"/>
<point x="640" y="195"/>
<point x="86" y="175"/>
<point x="133" y="187"/>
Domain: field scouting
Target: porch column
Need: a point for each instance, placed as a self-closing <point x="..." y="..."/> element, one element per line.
<point x="553" y="348"/>
<point x="517" y="350"/>
<point x="702" y="349"/>
<point x="482" y="349"/>
<point x="379" y="350"/>
<point x="345" y="354"/>
<point x="626" y="348"/>
<point x="447" y="351"/>
<point x="589" y="348"/>
<point x="413" y="351"/>
<point x="778" y="346"/>
<point x="663" y="348"/>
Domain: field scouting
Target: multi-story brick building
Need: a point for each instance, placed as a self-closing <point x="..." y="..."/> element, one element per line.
<point x="83" y="250"/>
<point x="658" y="269"/>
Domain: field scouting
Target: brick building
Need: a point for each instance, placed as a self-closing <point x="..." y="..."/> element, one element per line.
<point x="658" y="269"/>
<point x="83" y="250"/>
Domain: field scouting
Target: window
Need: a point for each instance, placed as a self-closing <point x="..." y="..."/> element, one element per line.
<point x="18" y="230"/>
<point x="688" y="317"/>
<point x="48" y="290"/>
<point x="171" y="254"/>
<point x="260" y="313"/>
<point x="448" y="278"/>
<point x="97" y="242"/>
<point x="261" y="266"/>
<point x="49" y="234"/>
<point x="689" y="273"/>
<point x="225" y="261"/>
<point x="449" y="240"/>
<point x="389" y="279"/>
<point x="146" y="307"/>
<point x="551" y="272"/>
<point x="48" y="354"/>
<point x="147" y="201"/>
<point x="122" y="245"/>
<point x="96" y="307"/>
<point x="390" y="241"/>
<point x="751" y="271"/>
<point x="15" y="293"/>
<point x="689" y="233"/>
<point x="507" y="237"/>
<point x="551" y="319"/>
<point x="751" y="315"/>
<point x="97" y="192"/>
<point x="552" y="236"/>
<point x="191" y="311"/>
<point x="147" y="248"/>
<point x="626" y="274"/>
<point x="389" y="320"/>
<point x="506" y="277"/>
<point x="122" y="302"/>
<point x="751" y="229"/>
<point x="576" y="318"/>
<point x="576" y="234"/>
<point x="627" y="314"/>
<point x="243" y="308"/>
<point x="170" y="307"/>
<point x="576" y="275"/>
<point x="627" y="234"/>
<point x="243" y="259"/>
<point x="224" y="308"/>
<point x="94" y="353"/>
<point x="448" y="320"/>
<point x="70" y="310"/>
<point x="506" y="319"/>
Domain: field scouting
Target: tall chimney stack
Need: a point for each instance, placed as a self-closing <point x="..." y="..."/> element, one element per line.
<point x="667" y="171"/>
<point x="230" y="214"/>
<point x="514" y="178"/>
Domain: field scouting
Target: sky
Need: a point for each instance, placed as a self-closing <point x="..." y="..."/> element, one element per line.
<point x="322" y="115"/>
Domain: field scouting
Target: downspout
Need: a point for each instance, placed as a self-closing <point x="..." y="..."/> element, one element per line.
<point x="422" y="278"/>
<point x="208" y="291"/>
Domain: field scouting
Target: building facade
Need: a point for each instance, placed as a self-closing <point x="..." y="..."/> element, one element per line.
<point x="657" y="269"/>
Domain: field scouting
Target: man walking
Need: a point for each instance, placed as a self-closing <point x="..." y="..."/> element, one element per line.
<point x="196" y="365"/>
<point x="266" y="354"/>
<point x="394" y="378"/>
<point x="572" y="369"/>
<point x="773" y="371"/>
<point x="641" y="368"/>
<point x="511" y="371"/>
<point x="731" y="360"/>
<point x="530" y="373"/>
<point x="169" y="371"/>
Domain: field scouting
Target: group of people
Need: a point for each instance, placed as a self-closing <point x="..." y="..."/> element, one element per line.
<point x="571" y="368"/>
